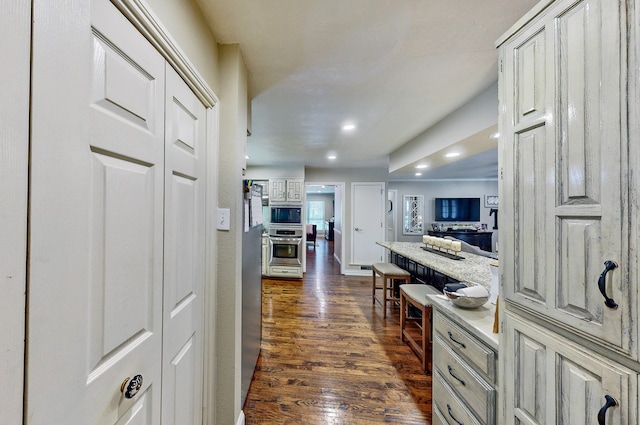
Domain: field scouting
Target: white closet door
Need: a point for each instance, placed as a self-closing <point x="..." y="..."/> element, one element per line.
<point x="15" y="26"/>
<point x="184" y="254"/>
<point x="96" y="249"/>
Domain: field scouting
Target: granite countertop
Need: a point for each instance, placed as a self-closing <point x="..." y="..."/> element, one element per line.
<point x="477" y="321"/>
<point x="473" y="268"/>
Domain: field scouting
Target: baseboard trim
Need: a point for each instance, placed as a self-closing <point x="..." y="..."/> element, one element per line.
<point x="240" y="418"/>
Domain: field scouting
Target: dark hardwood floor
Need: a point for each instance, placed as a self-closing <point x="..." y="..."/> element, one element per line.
<point x="328" y="356"/>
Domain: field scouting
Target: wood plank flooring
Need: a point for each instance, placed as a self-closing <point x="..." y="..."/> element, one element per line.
<point x="328" y="356"/>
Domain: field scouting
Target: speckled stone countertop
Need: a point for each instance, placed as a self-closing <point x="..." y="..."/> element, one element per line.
<point x="473" y="268"/>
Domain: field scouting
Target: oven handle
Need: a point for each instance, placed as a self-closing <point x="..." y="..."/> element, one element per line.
<point x="281" y="239"/>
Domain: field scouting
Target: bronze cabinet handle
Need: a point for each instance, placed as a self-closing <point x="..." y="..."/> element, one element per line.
<point x="610" y="402"/>
<point x="453" y="417"/>
<point x="608" y="266"/>
<point x="455" y="340"/>
<point x="456" y="378"/>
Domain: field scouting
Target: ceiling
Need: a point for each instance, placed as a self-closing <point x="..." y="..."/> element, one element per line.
<point x="391" y="68"/>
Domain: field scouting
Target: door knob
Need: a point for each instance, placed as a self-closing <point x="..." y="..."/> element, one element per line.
<point x="131" y="386"/>
<point x="357" y="229"/>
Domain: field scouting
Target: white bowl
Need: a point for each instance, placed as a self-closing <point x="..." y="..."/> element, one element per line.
<point x="464" y="301"/>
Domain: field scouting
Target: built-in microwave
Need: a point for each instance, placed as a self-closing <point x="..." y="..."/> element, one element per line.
<point x="286" y="215"/>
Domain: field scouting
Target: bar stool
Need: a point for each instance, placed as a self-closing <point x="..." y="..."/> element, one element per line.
<point x="416" y="295"/>
<point x="388" y="272"/>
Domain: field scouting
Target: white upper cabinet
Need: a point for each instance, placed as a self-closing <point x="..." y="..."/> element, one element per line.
<point x="286" y="190"/>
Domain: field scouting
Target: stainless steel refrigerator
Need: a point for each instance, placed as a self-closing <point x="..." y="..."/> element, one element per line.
<point x="251" y="283"/>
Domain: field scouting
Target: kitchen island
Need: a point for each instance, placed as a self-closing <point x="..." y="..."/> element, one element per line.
<point x="465" y="349"/>
<point x="436" y="269"/>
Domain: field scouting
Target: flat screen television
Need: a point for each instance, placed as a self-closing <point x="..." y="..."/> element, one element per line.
<point x="457" y="209"/>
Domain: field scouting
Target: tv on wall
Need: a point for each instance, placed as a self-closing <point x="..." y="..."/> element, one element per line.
<point x="457" y="209"/>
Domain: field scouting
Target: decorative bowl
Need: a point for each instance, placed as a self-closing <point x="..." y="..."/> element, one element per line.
<point x="463" y="301"/>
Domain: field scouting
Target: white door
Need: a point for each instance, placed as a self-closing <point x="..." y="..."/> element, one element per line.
<point x="96" y="239"/>
<point x="184" y="254"/>
<point x="15" y="26"/>
<point x="367" y="222"/>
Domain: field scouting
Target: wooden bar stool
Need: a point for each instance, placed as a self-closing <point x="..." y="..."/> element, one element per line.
<point x="416" y="295"/>
<point x="388" y="272"/>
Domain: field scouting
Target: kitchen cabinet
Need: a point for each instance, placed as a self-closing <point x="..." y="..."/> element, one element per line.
<point x="286" y="190"/>
<point x="559" y="381"/>
<point x="568" y="208"/>
<point x="465" y="356"/>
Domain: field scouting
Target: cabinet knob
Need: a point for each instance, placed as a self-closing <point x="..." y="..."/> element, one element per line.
<point x="610" y="402"/>
<point x="131" y="386"/>
<point x="608" y="266"/>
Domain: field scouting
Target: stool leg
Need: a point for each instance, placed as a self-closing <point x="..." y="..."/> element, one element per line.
<point x="403" y="314"/>
<point x="385" y="290"/>
<point x="374" y="288"/>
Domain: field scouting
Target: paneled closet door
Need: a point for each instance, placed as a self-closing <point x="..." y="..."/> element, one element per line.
<point x="182" y="370"/>
<point x="96" y="247"/>
<point x="566" y="145"/>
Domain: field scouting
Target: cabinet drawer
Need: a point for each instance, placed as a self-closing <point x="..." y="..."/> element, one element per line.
<point x="285" y="271"/>
<point x="450" y="408"/>
<point x="481" y="357"/>
<point x="478" y="395"/>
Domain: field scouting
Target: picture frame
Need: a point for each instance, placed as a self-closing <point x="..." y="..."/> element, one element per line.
<point x="491" y="201"/>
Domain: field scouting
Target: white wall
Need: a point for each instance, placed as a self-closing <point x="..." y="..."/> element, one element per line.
<point x="233" y="137"/>
<point x="185" y="22"/>
<point x="444" y="189"/>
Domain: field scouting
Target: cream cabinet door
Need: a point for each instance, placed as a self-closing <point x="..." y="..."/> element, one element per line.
<point x="563" y="186"/>
<point x="295" y="190"/>
<point x="553" y="381"/>
<point x="278" y="190"/>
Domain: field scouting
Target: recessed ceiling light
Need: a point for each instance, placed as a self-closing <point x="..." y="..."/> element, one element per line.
<point x="349" y="127"/>
<point x="247" y="157"/>
<point x="494" y="135"/>
<point x="331" y="157"/>
<point x="452" y="154"/>
<point x="421" y="166"/>
<point x="418" y="174"/>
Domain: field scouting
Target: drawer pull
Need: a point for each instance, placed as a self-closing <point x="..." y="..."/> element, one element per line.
<point x="611" y="402"/>
<point x="458" y="379"/>
<point x="455" y="340"/>
<point x="453" y="417"/>
<point x="608" y="266"/>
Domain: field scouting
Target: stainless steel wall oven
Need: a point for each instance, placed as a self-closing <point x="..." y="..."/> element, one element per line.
<point x="285" y="246"/>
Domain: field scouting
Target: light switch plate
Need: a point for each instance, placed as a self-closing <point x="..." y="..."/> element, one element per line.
<point x="224" y="219"/>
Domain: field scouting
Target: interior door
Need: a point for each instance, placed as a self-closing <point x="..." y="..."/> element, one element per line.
<point x="96" y="237"/>
<point x="368" y="223"/>
<point x="15" y="25"/>
<point x="184" y="254"/>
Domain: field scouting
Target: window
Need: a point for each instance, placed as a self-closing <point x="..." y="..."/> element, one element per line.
<point x="315" y="214"/>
